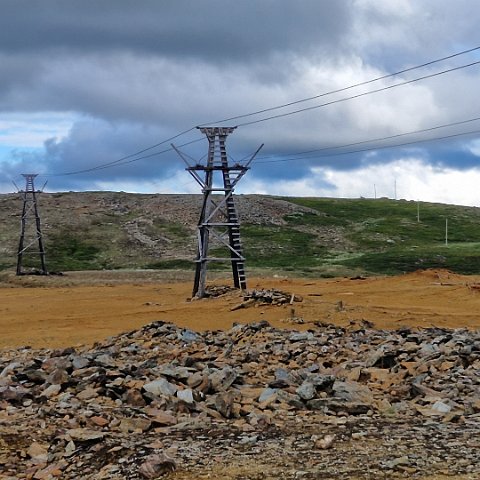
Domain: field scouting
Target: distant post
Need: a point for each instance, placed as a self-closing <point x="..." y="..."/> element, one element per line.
<point x="446" y="231"/>
<point x="30" y="231"/>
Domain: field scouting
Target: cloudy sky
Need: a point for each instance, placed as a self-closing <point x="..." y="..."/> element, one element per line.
<point x="88" y="83"/>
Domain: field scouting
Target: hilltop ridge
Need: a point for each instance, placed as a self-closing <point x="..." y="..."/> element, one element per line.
<point x="324" y="236"/>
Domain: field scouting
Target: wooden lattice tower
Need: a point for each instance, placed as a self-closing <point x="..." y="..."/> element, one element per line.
<point x="31" y="242"/>
<point x="218" y="218"/>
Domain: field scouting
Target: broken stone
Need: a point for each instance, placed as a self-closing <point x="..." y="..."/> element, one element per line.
<point x="58" y="377"/>
<point x="223" y="379"/>
<point x="134" y="424"/>
<point x="51" y="391"/>
<point x="254" y="389"/>
<point x="84" y="435"/>
<point x="224" y="404"/>
<point x="160" y="417"/>
<point x="134" y="397"/>
<point x="268" y="395"/>
<point x="353" y="392"/>
<point x="185" y="395"/>
<point x="38" y="453"/>
<point x="157" y="465"/>
<point x="88" y="393"/>
<point x="160" y="387"/>
<point x="441" y="407"/>
<point x="306" y="391"/>
<point x="326" y="442"/>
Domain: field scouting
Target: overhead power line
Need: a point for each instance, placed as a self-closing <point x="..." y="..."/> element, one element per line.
<point x="359" y="95"/>
<point x="343" y="89"/>
<point x="362" y="142"/>
<point x="378" y="147"/>
<point x="123" y="160"/>
<point x="134" y="157"/>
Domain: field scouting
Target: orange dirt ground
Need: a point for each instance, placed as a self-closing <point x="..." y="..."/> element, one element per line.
<point x="61" y="312"/>
<point x="84" y="307"/>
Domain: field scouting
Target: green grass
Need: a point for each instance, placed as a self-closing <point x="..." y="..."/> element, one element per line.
<point x="281" y="247"/>
<point x="458" y="258"/>
<point x="330" y="237"/>
<point x="66" y="251"/>
<point x="387" y="238"/>
<point x="172" y="264"/>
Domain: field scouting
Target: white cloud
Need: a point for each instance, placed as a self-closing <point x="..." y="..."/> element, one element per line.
<point x="30" y="130"/>
<point x="474" y="147"/>
<point x="413" y="179"/>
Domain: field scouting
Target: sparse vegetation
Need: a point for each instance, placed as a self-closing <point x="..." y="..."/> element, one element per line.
<point x="281" y="247"/>
<point x="312" y="236"/>
<point x="171" y="264"/>
<point x="67" y="251"/>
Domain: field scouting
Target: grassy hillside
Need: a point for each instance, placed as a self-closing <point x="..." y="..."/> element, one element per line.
<point x="389" y="236"/>
<point x="313" y="236"/>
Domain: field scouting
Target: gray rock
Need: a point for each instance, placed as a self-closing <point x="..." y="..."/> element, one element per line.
<point x="224" y="404"/>
<point x="306" y="391"/>
<point x="84" y="435"/>
<point x="441" y="407"/>
<point x="160" y="387"/>
<point x="58" y="377"/>
<point x="189" y="336"/>
<point x="291" y="399"/>
<point x="267" y="395"/>
<point x="352" y="392"/>
<point x="301" y="336"/>
<point x="51" y="391"/>
<point x="10" y="369"/>
<point x="79" y="362"/>
<point x="223" y="379"/>
<point x="185" y="395"/>
<point x="14" y="394"/>
<point x="105" y="360"/>
<point x="321" y="382"/>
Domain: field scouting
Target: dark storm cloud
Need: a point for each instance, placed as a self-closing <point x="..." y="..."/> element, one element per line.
<point x="157" y="62"/>
<point x="92" y="143"/>
<point x="213" y="30"/>
<point x="138" y="72"/>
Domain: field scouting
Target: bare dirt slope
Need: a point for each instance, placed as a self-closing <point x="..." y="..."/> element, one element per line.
<point x="79" y="309"/>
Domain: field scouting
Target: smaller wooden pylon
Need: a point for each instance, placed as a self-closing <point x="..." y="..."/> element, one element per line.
<point x="30" y="237"/>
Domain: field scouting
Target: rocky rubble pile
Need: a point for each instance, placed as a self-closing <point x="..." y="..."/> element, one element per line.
<point x="267" y="297"/>
<point x="313" y="404"/>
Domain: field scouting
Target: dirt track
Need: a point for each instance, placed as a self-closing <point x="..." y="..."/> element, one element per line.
<point x="63" y="313"/>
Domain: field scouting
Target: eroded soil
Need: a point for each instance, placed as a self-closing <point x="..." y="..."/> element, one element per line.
<point x="78" y="309"/>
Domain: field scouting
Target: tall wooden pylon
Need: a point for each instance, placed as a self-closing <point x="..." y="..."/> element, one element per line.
<point x="218" y="218"/>
<point x="31" y="232"/>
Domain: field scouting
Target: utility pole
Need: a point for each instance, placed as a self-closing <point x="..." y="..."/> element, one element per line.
<point x="446" y="231"/>
<point x="218" y="218"/>
<point x="31" y="232"/>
